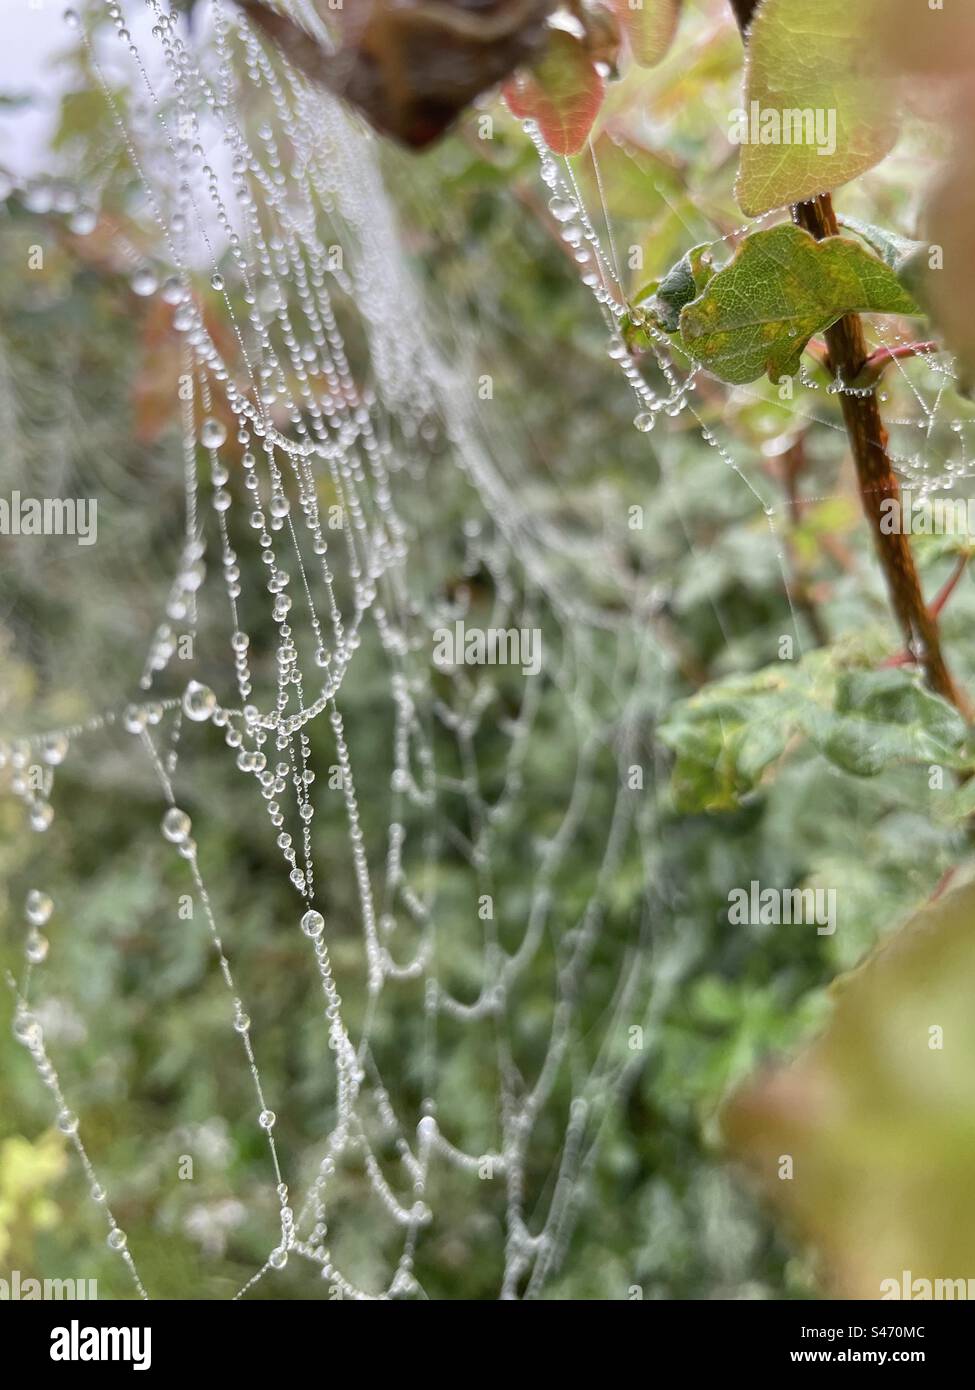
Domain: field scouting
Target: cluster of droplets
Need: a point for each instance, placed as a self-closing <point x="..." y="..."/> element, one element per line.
<point x="601" y="275"/>
<point x="28" y="1031"/>
<point x="31" y="766"/>
<point x="37" y="909"/>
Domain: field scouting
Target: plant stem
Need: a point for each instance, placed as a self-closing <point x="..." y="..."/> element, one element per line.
<point x="868" y="442"/>
<point x="897" y="354"/>
<point x="744" y="9"/>
<point x="865" y="431"/>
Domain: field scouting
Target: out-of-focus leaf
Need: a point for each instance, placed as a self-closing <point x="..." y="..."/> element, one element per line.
<point x="413" y="65"/>
<point x="782" y="286"/>
<point x="819" y="59"/>
<point x="562" y="92"/>
<point x="883" y="719"/>
<point x="650" y="26"/>
<point x="876" y="1116"/>
<point x="634" y="181"/>
<point x="934" y="51"/>
<point x="727" y="736"/>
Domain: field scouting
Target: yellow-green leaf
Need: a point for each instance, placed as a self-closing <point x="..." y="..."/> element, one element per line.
<point x="650" y="26"/>
<point x="817" y="59"/>
<point x="877" y="1117"/>
<point x="782" y="286"/>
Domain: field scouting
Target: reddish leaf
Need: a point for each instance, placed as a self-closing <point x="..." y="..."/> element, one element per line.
<point x="563" y="93"/>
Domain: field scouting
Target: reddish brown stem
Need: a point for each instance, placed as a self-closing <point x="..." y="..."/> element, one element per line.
<point x="865" y="431"/>
<point x="948" y="588"/>
<point x="878" y="482"/>
<point x="879" y="358"/>
<point x="936" y="608"/>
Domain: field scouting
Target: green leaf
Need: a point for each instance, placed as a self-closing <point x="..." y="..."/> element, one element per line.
<point x="894" y="250"/>
<point x="815" y="58"/>
<point x="562" y="92"/>
<point x="728" y="736"/>
<point x="649" y="26"/>
<point x="882" y="719"/>
<point x="782" y="286"/>
<point x="665" y="299"/>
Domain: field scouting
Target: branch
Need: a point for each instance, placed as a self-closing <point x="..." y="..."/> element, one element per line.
<point x="936" y="608"/>
<point x="868" y="442"/>
<point x="881" y="357"/>
<point x="940" y="599"/>
<point x="865" y="431"/>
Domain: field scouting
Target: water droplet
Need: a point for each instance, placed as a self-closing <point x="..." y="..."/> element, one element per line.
<point x="53" y="749"/>
<point x="144" y="282"/>
<point x="562" y="209"/>
<point x="199" y="701"/>
<point x="645" y="421"/>
<point x="84" y="222"/>
<point x="37" y="198"/>
<point x="313" y="923"/>
<point x="26" y="1029"/>
<point x="278" y="1258"/>
<point x="38" y="907"/>
<point x="216" y="280"/>
<point x="176" y="825"/>
<point x="36" y="947"/>
<point x="42" y="813"/>
<point x="279" y="505"/>
<point x="172" y="290"/>
<point x="67" y="1122"/>
<point x="266" y="1119"/>
<point x="193" y="576"/>
<point x="212" y="433"/>
<point x="134" y="719"/>
<point x="116" y="1238"/>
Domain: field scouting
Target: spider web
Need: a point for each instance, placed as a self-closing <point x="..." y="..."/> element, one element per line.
<point x="324" y="479"/>
<point x="328" y="442"/>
